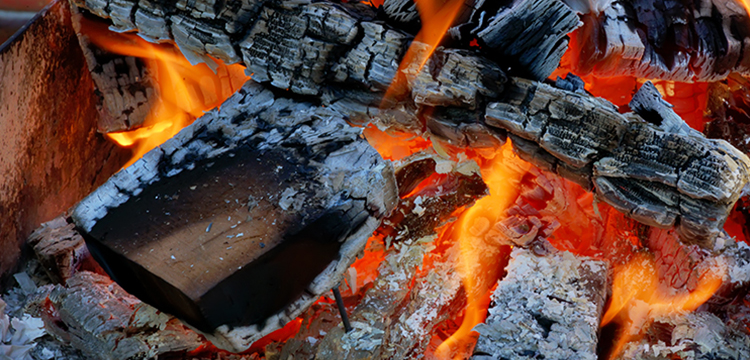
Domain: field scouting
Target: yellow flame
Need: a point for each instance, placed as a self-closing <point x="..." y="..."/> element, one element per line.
<point x="478" y="263"/>
<point x="637" y="297"/>
<point x="437" y="16"/>
<point x="184" y="91"/>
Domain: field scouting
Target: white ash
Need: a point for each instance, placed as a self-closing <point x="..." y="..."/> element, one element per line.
<point x="18" y="335"/>
<point x="546" y="307"/>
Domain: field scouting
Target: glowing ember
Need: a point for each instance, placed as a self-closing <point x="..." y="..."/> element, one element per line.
<point x="436" y="16"/>
<point x="184" y="91"/>
<point x="481" y="262"/>
<point x="394" y="146"/>
<point x="638" y="297"/>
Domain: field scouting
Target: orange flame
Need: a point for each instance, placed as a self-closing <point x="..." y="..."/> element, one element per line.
<point x="746" y="5"/>
<point x="637" y="297"/>
<point x="479" y="252"/>
<point x="437" y="16"/>
<point x="184" y="91"/>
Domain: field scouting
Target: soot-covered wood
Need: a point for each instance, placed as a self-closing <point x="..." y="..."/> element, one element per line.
<point x="244" y="218"/>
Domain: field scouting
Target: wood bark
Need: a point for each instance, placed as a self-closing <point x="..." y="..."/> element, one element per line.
<point x="547" y="306"/>
<point x="244" y="218"/>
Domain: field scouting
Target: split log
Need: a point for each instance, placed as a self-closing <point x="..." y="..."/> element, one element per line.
<point x="547" y="306"/>
<point x="671" y="40"/>
<point x="124" y="84"/>
<point x="395" y="320"/>
<point x="99" y="318"/>
<point x="396" y="316"/>
<point x="244" y="218"/>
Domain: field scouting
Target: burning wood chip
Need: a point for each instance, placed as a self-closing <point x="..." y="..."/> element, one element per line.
<point x="547" y="306"/>
<point x="244" y="218"/>
<point x="99" y="318"/>
<point x="60" y="249"/>
<point x="647" y="164"/>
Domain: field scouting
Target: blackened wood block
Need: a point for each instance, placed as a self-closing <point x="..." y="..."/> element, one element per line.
<point x="98" y="317"/>
<point x="244" y="218"/>
<point x="50" y="155"/>
<point x="547" y="306"/>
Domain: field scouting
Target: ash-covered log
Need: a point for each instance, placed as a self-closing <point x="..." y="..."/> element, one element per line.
<point x="238" y="223"/>
<point x="546" y="307"/>
<point x="695" y="335"/>
<point x="98" y="317"/>
<point x="61" y="250"/>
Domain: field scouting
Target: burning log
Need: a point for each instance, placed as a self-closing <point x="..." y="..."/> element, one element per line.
<point x="547" y="306"/>
<point x="682" y="40"/>
<point x="302" y="47"/>
<point x="244" y="218"/>
<point x="96" y="316"/>
<point x="647" y="164"/>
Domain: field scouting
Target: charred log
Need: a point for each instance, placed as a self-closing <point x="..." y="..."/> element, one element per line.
<point x="697" y="335"/>
<point x="264" y="202"/>
<point x="546" y="307"/>
<point x="680" y="40"/>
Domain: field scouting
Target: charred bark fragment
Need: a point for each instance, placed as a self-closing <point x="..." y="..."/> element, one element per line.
<point x="696" y="335"/>
<point x="264" y="202"/>
<point x="124" y="84"/>
<point x="529" y="36"/>
<point x="546" y="307"/>
<point x="684" y="41"/>
<point x="96" y="316"/>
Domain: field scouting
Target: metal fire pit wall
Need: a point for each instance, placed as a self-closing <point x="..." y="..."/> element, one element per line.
<point x="50" y="153"/>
